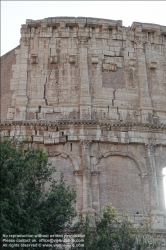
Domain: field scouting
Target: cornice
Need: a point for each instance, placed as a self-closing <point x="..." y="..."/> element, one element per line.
<point x="86" y="122"/>
<point x="51" y="133"/>
<point x="74" y="22"/>
<point x="65" y="23"/>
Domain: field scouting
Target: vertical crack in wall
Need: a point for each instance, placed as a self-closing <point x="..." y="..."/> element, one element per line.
<point x="28" y="78"/>
<point x="45" y="88"/>
<point x="45" y="85"/>
<point x="113" y="97"/>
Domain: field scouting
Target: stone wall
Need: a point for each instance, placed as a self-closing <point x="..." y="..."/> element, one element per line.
<point x="83" y="68"/>
<point x="92" y="93"/>
<point x="6" y="71"/>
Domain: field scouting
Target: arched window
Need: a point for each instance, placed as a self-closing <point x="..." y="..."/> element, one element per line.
<point x="164" y="180"/>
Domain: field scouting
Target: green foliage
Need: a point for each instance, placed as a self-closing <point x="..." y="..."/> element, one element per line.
<point x="26" y="206"/>
<point x="114" y="232"/>
<point x="56" y="209"/>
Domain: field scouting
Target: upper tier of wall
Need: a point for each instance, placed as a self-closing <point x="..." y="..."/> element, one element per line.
<point x="88" y="68"/>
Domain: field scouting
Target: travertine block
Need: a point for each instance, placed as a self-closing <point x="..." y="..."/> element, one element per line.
<point x="34" y="59"/>
<point x="14" y="84"/>
<point x="108" y="53"/>
<point x="72" y="58"/>
<point x="110" y="67"/>
<point x="53" y="59"/>
<point x="132" y="62"/>
<point x="21" y="100"/>
<point x="21" y="92"/>
<point x="49" y="141"/>
<point x="94" y="59"/>
<point x="153" y="65"/>
<point x="38" y="139"/>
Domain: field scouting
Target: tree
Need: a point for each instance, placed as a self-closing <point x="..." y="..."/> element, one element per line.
<point x="26" y="206"/>
<point x="114" y="232"/>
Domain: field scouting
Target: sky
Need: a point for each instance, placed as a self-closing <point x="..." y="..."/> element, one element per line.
<point x="15" y="13"/>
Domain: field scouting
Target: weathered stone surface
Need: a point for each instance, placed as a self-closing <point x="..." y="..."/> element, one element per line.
<point x="93" y="94"/>
<point x="7" y="83"/>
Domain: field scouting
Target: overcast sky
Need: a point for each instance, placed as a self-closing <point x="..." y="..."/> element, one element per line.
<point x="15" y="13"/>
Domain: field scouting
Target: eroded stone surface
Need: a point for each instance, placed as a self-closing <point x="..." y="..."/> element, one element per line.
<point x="93" y="94"/>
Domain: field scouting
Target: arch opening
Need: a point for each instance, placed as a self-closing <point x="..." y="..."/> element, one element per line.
<point x="120" y="183"/>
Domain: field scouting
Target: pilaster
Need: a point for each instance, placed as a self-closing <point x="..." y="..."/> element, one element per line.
<point x="85" y="98"/>
<point x="79" y="189"/>
<point x="145" y="191"/>
<point x="95" y="190"/>
<point x="154" y="199"/>
<point x="145" y="103"/>
<point x="87" y="189"/>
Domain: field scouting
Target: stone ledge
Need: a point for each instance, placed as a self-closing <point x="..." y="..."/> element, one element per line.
<point x="82" y="122"/>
